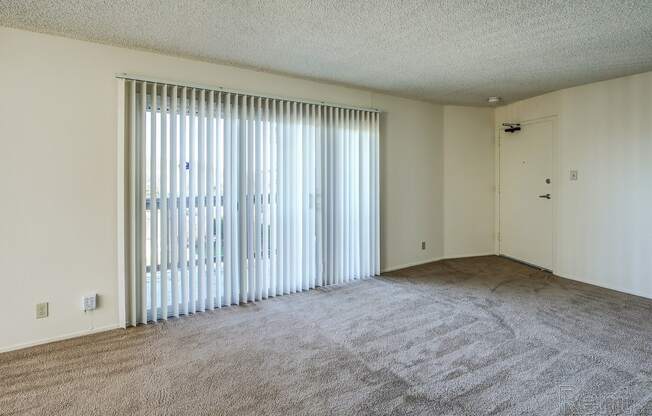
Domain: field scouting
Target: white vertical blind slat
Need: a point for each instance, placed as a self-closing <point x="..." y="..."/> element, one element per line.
<point x="346" y="143"/>
<point x="192" y="201"/>
<point x="370" y="184"/>
<point x="249" y="199"/>
<point x="266" y="273"/>
<point x="358" y="172"/>
<point x="276" y="285"/>
<point x="174" y="201"/>
<point x="258" y="200"/>
<point x="163" y="197"/>
<point x="354" y="195"/>
<point x="218" y="211"/>
<point x="183" y="202"/>
<point x="228" y="211"/>
<point x="312" y="199"/>
<point x="153" y="204"/>
<point x="319" y="199"/>
<point x="341" y="222"/>
<point x="305" y="200"/>
<point x="364" y="209"/>
<point x="331" y="272"/>
<point x="294" y="213"/>
<point x="201" y="202"/>
<point x="350" y="229"/>
<point x="298" y="178"/>
<point x="134" y="242"/>
<point x="143" y="201"/>
<point x="369" y="180"/>
<point x="372" y="202"/>
<point x="235" y="178"/>
<point x="376" y="196"/>
<point x="242" y="200"/>
<point x="210" y="202"/>
<point x="283" y="137"/>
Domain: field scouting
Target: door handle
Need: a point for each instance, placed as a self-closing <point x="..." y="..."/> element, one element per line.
<point x="547" y="196"/>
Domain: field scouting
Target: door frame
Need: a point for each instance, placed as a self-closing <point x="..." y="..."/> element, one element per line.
<point x="556" y="177"/>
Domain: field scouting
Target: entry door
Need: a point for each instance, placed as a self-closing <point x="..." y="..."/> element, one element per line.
<point x="526" y="198"/>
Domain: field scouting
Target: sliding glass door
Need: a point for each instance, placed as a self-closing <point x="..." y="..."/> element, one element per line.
<point x="236" y="198"/>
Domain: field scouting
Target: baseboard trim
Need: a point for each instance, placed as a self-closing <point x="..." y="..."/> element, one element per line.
<point x="406" y="265"/>
<point x="59" y="338"/>
<point x="623" y="290"/>
<point x="434" y="259"/>
<point x="464" y="256"/>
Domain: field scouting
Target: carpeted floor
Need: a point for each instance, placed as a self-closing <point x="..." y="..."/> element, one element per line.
<point x="471" y="336"/>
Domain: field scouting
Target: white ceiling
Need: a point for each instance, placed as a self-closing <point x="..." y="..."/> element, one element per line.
<point x="447" y="51"/>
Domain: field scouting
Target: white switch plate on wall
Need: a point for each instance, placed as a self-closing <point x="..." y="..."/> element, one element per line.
<point x="573" y="175"/>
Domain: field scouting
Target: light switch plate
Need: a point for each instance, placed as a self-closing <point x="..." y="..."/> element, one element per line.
<point x="573" y="175"/>
<point x="41" y="310"/>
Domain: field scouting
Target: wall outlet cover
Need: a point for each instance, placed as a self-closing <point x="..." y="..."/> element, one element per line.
<point x="89" y="302"/>
<point x="41" y="310"/>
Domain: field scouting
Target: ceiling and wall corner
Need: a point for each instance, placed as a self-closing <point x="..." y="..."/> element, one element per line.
<point x="448" y="52"/>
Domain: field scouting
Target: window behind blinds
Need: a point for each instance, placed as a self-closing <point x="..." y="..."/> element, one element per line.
<point x="236" y="198"/>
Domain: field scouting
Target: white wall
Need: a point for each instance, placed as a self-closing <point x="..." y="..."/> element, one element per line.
<point x="603" y="224"/>
<point x="468" y="224"/>
<point x="412" y="174"/>
<point x="58" y="173"/>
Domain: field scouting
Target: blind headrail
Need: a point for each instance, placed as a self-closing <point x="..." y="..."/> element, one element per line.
<point x="132" y="77"/>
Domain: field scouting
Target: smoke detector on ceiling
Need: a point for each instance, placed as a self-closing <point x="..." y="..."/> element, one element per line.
<point x="494" y="100"/>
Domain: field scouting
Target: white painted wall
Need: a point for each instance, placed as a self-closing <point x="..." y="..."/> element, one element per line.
<point x="58" y="173"/>
<point x="603" y="224"/>
<point x="412" y="174"/>
<point x="468" y="224"/>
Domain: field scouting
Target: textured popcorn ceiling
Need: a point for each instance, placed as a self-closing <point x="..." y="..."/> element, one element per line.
<point x="448" y="51"/>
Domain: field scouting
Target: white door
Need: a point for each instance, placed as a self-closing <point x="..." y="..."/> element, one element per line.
<point x="526" y="198"/>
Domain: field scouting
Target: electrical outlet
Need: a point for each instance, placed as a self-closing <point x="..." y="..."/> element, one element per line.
<point x="41" y="310"/>
<point x="573" y="175"/>
<point x="423" y="245"/>
<point x="89" y="302"/>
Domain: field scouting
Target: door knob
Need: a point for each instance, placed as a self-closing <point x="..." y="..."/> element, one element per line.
<point x="547" y="196"/>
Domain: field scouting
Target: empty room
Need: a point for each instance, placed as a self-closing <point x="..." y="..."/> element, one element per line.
<point x="292" y="207"/>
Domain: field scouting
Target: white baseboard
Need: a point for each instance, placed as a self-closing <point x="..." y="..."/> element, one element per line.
<point x="419" y="263"/>
<point x="615" y="288"/>
<point x="463" y="256"/>
<point x="59" y="338"/>
<point x="406" y="265"/>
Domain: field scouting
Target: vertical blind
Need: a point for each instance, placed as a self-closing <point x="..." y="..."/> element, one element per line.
<point x="236" y="198"/>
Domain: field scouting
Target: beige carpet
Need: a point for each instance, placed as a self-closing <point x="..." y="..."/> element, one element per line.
<point x="460" y="337"/>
